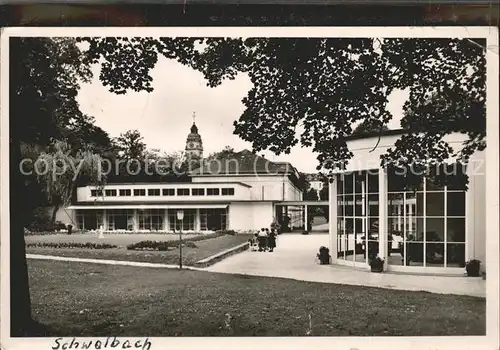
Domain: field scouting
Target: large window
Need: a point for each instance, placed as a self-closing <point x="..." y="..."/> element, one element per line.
<point x="183" y="191"/>
<point x="430" y="221"/>
<point x="228" y="191"/>
<point x="153" y="192"/>
<point x="96" y="193"/>
<point x="187" y="224"/>
<point x="125" y="192"/>
<point x="198" y="191"/>
<point x="212" y="191"/>
<point x="151" y="219"/>
<point x="357" y="216"/>
<point x="120" y="219"/>
<point x="213" y="219"/>
<point x="139" y="192"/>
<point x="110" y="193"/>
<point x="169" y="191"/>
<point x="89" y="219"/>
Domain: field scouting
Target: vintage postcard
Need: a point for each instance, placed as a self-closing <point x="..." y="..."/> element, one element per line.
<point x="257" y="186"/>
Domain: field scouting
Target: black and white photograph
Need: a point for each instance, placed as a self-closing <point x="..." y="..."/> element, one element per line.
<point x="332" y="185"/>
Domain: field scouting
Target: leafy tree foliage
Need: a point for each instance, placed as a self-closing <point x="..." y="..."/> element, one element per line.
<point x="227" y="152"/>
<point x="311" y="195"/>
<point x="369" y="126"/>
<point x="323" y="193"/>
<point x="131" y="145"/>
<point x="46" y="74"/>
<point x="303" y="183"/>
<point x="325" y="86"/>
<point x="60" y="173"/>
<point x="82" y="133"/>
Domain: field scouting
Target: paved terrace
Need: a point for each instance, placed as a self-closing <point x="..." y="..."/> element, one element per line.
<point x="295" y="256"/>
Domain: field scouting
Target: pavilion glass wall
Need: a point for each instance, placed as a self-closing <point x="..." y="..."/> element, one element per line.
<point x="357" y="216"/>
<point x="187" y="224"/>
<point x="120" y="219"/>
<point x="151" y="219"/>
<point x="213" y="219"/>
<point x="89" y="219"/>
<point x="427" y="226"/>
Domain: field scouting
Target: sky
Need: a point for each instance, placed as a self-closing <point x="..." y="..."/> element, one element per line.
<point x="164" y="116"/>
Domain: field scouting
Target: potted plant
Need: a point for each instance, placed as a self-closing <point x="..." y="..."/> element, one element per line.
<point x="472" y="267"/>
<point x="377" y="264"/>
<point x="324" y="255"/>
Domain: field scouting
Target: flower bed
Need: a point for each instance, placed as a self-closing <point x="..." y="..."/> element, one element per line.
<point x="54" y="232"/>
<point x="165" y="245"/>
<point x="72" y="245"/>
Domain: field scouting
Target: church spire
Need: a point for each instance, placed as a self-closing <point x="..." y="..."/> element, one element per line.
<point x="194" y="129"/>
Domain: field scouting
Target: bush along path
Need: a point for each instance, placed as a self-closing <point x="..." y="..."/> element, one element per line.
<point x="71" y="245"/>
<point x="165" y="245"/>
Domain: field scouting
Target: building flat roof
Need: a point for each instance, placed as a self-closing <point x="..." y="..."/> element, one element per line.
<point x="298" y="203"/>
<point x="173" y="183"/>
<point x="176" y="204"/>
<point x="149" y="206"/>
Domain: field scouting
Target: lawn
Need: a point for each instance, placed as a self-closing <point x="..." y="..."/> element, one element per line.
<point x="76" y="299"/>
<point x="190" y="255"/>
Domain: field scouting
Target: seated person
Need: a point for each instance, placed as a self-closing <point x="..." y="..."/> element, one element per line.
<point x="254" y="242"/>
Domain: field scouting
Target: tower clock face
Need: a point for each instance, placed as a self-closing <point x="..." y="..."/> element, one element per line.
<point x="191" y="145"/>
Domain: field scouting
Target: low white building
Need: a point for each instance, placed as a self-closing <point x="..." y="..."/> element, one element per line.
<point x="243" y="193"/>
<point x="432" y="230"/>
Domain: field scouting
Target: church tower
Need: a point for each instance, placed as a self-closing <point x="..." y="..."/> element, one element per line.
<point x="194" y="145"/>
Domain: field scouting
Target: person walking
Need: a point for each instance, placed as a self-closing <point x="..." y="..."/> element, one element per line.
<point x="262" y="240"/>
<point x="271" y="240"/>
<point x="276" y="226"/>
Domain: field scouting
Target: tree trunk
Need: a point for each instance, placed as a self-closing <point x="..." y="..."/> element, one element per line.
<point x="54" y="214"/>
<point x="20" y="303"/>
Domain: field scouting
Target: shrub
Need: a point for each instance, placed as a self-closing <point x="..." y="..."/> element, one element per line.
<point x="58" y="226"/>
<point x="377" y="264"/>
<point x="473" y="267"/>
<point x="40" y="221"/>
<point x="39" y="226"/>
<point x="71" y="245"/>
<point x="226" y="232"/>
<point x="150" y="245"/>
<point x="164" y="245"/>
<point x="324" y="255"/>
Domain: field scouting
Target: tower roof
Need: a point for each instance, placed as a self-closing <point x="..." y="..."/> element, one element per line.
<point x="194" y="129"/>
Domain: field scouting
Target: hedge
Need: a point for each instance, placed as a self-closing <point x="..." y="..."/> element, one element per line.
<point x="72" y="245"/>
<point x="165" y="245"/>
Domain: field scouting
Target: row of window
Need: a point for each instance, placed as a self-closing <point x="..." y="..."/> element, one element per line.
<point x="152" y="219"/>
<point x="165" y="192"/>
